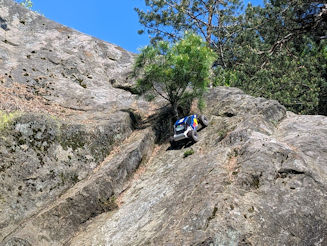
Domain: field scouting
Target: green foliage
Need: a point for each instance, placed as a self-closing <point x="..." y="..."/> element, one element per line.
<point x="177" y="72"/>
<point x="214" y="20"/>
<point x="273" y="59"/>
<point x="149" y="97"/>
<point x="26" y="3"/>
<point x="222" y="133"/>
<point x="296" y="82"/>
<point x="188" y="153"/>
<point x="278" y="51"/>
<point x="109" y="204"/>
<point x="201" y="104"/>
<point x="225" y="77"/>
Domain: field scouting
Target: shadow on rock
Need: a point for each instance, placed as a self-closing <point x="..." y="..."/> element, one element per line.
<point x="183" y="144"/>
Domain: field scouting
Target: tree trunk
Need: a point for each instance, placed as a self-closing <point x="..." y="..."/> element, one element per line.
<point x="175" y="110"/>
<point x="209" y="24"/>
<point x="174" y="118"/>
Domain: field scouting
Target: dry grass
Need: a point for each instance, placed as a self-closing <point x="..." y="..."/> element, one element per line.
<point x="19" y="97"/>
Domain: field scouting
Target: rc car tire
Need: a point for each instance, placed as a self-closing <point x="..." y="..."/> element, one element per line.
<point x="172" y="142"/>
<point x="193" y="135"/>
<point x="203" y="121"/>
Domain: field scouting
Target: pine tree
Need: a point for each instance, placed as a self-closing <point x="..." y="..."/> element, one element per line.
<point x="277" y="51"/>
<point x="279" y="55"/>
<point x="177" y="72"/>
<point x="215" y="20"/>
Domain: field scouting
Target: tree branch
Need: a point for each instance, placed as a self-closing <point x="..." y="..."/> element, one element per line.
<point x="159" y="93"/>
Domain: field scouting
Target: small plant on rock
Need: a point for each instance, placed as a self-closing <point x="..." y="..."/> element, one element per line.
<point x="222" y="133"/>
<point x="188" y="153"/>
<point x="6" y="119"/>
<point x="109" y="204"/>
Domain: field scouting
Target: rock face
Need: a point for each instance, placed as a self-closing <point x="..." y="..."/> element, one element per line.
<point x="41" y="157"/>
<point x="54" y="61"/>
<point x="78" y="166"/>
<point x="257" y="177"/>
<point x="54" y="224"/>
<point x="69" y="113"/>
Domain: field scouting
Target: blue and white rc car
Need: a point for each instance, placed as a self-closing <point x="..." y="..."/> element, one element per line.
<point x="186" y="128"/>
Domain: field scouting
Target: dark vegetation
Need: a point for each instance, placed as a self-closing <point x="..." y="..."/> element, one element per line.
<point x="177" y="72"/>
<point x="278" y="51"/>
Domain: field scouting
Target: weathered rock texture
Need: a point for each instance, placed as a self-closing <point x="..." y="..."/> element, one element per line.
<point x="42" y="156"/>
<point x="257" y="177"/>
<point x="88" y="198"/>
<point x="54" y="60"/>
<point x="78" y="168"/>
<point x="70" y="114"/>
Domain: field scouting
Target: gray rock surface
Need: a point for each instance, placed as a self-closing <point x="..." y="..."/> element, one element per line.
<point x="64" y="66"/>
<point x="41" y="157"/>
<point x="90" y="197"/>
<point x="257" y="177"/>
<point x="77" y="167"/>
<point x="71" y="113"/>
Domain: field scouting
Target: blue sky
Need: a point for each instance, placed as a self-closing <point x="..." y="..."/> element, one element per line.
<point x="114" y="21"/>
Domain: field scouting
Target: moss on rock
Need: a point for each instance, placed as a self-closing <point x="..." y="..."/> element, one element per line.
<point x="7" y="118"/>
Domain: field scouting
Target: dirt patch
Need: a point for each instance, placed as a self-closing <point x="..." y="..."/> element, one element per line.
<point x="19" y="97"/>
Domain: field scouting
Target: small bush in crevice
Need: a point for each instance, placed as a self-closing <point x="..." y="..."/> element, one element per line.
<point x="149" y="97"/>
<point x="109" y="204"/>
<point x="222" y="133"/>
<point x="188" y="153"/>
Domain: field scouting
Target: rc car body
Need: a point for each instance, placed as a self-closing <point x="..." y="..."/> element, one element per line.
<point x="186" y="128"/>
